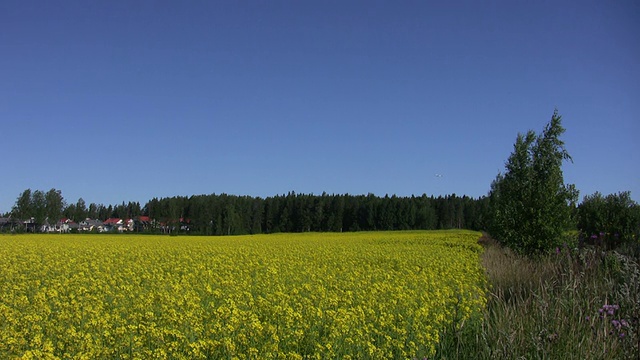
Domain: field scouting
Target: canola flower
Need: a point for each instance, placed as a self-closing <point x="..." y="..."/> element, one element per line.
<point x="283" y="296"/>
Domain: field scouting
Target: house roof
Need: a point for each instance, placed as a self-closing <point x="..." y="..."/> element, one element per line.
<point x="6" y="221"/>
<point x="91" y="222"/>
<point x="112" y="221"/>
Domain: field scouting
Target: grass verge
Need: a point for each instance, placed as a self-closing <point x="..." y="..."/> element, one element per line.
<point x="573" y="304"/>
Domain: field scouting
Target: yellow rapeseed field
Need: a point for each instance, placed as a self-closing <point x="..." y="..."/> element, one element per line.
<point x="282" y="296"/>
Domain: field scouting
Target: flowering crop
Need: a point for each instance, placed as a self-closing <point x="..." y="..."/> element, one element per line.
<point x="282" y="296"/>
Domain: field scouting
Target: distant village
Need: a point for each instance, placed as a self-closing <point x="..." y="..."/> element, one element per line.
<point x="112" y="225"/>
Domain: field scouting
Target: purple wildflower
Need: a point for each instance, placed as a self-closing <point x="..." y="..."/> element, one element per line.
<point x="609" y="309"/>
<point x="624" y="323"/>
<point x="616" y="324"/>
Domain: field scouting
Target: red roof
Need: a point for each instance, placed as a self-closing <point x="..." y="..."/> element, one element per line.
<point x="144" y="218"/>
<point x="111" y="221"/>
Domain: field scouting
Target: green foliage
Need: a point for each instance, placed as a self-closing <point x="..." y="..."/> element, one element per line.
<point x="613" y="219"/>
<point x="225" y="214"/>
<point x="40" y="206"/>
<point x="54" y="205"/>
<point x="530" y="204"/>
<point x="23" y="207"/>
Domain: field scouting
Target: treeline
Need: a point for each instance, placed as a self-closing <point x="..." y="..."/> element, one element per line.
<point x="51" y="206"/>
<point x="233" y="215"/>
<point x="223" y="214"/>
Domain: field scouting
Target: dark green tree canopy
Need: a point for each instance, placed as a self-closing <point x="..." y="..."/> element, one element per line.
<point x="530" y="204"/>
<point x="612" y="220"/>
<point x="40" y="206"/>
<point x="23" y="207"/>
<point x="54" y="205"/>
<point x="223" y="214"/>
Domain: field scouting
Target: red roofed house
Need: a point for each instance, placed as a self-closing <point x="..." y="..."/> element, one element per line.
<point x="113" y="223"/>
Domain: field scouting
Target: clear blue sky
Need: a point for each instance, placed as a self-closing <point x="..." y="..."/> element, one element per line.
<point x="118" y="101"/>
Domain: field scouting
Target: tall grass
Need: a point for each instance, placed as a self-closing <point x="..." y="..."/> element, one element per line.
<point x="573" y="304"/>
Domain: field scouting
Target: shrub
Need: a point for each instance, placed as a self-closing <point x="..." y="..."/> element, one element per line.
<point x="610" y="220"/>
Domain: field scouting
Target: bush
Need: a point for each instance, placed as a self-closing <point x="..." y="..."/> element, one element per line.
<point x="609" y="221"/>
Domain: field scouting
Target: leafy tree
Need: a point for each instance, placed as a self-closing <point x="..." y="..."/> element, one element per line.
<point x="22" y="208"/>
<point x="93" y="211"/>
<point x="54" y="205"/>
<point x="104" y="212"/>
<point x="39" y="206"/>
<point x="530" y="203"/>
<point x="80" y="210"/>
<point x="614" y="219"/>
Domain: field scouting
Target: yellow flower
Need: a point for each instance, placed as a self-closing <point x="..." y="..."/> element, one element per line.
<point x="375" y="295"/>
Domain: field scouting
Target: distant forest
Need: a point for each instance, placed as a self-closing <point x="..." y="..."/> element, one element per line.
<point x="228" y="214"/>
<point x="223" y="214"/>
